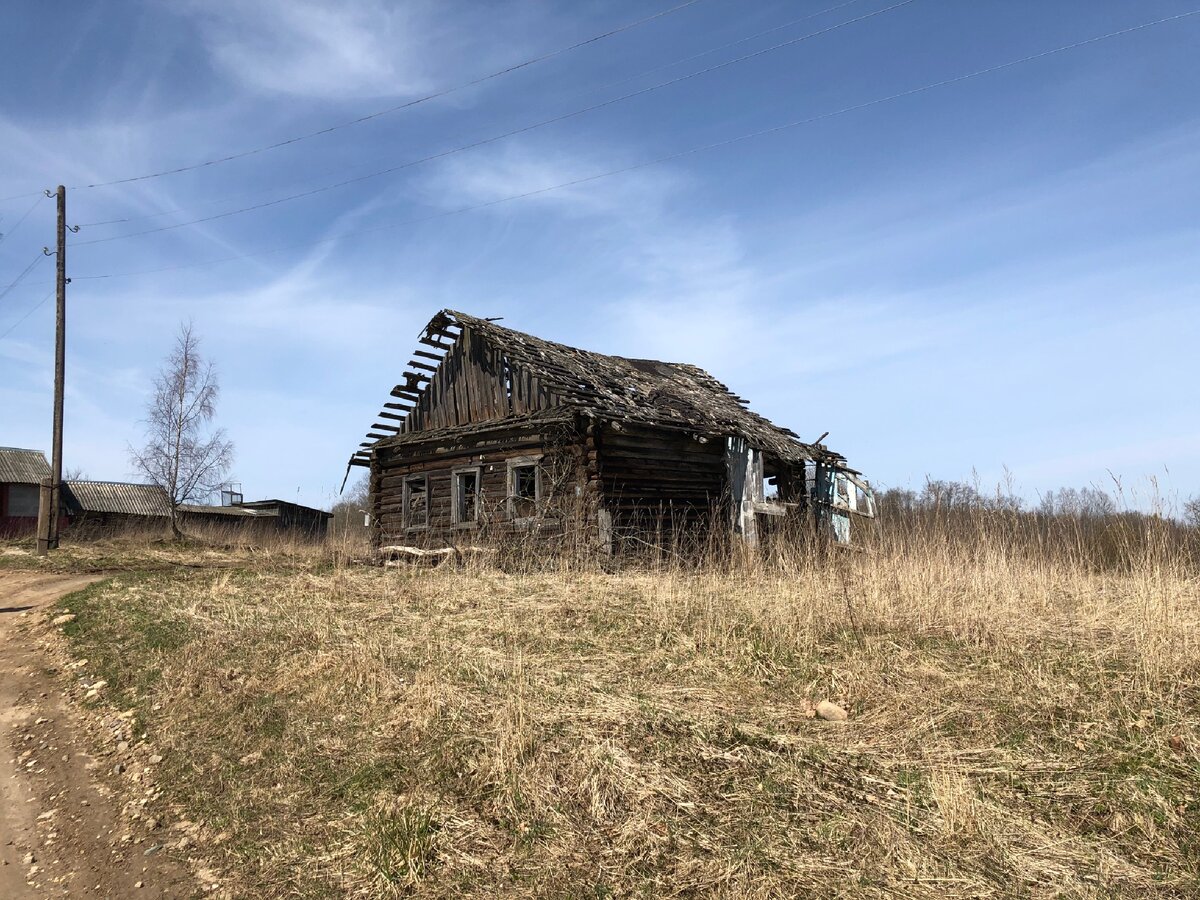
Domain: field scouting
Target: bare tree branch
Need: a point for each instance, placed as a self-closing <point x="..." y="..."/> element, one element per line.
<point x="178" y="456"/>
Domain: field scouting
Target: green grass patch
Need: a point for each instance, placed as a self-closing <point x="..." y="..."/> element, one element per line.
<point x="125" y="633"/>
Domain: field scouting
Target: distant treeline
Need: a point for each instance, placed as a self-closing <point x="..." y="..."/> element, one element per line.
<point x="1085" y="525"/>
<point x="350" y="512"/>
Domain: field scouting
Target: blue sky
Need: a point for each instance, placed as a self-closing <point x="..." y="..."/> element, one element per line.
<point x="1000" y="273"/>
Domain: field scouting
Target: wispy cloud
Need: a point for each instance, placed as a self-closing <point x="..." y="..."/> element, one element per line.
<point x="1003" y="273"/>
<point x="525" y="166"/>
<point x="364" y="48"/>
<point x="358" y="48"/>
<point x="691" y="288"/>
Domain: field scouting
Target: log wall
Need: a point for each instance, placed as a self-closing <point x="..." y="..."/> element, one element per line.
<point x="660" y="483"/>
<point x="560" y="477"/>
<point x="624" y="484"/>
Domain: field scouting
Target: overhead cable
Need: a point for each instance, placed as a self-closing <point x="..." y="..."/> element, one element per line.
<point x="738" y="42"/>
<point x="5" y="234"/>
<point x="402" y="106"/>
<point x="29" y="268"/>
<point x="37" y="306"/>
<point x="499" y="137"/>
<point x="20" y="196"/>
<point x="672" y="156"/>
<point x="17" y="324"/>
<point x="659" y="68"/>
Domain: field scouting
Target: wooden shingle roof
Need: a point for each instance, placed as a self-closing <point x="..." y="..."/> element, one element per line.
<point x="613" y="388"/>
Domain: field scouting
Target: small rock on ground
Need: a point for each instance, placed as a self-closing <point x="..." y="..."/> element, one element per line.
<point x="831" y="712"/>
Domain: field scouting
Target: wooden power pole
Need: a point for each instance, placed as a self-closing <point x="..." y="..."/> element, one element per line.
<point x="51" y="501"/>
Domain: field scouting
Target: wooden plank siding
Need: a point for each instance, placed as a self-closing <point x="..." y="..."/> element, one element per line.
<point x="475" y="383"/>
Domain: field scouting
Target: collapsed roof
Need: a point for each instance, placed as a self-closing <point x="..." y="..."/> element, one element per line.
<point x="614" y="388"/>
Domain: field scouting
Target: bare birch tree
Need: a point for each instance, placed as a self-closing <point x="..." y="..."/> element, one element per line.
<point x="180" y="455"/>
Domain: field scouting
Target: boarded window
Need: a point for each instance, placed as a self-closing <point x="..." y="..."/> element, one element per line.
<point x="416" y="502"/>
<point x="466" y="496"/>
<point x="524" y="489"/>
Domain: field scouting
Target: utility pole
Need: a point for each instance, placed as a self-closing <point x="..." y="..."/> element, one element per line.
<point x="48" y="509"/>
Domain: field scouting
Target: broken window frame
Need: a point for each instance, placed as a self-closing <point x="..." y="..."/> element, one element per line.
<point x="839" y="496"/>
<point x="850" y="494"/>
<point x="524" y="462"/>
<point x="864" y="503"/>
<point x="457" y="496"/>
<point x="406" y="507"/>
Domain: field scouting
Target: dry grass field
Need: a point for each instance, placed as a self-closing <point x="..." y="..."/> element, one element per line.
<point x="1022" y="724"/>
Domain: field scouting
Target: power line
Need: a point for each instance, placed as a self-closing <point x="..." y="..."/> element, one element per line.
<point x="17" y="324"/>
<point x="739" y="41"/>
<point x="29" y="268"/>
<point x="512" y="133"/>
<point x="659" y="68"/>
<point x="20" y="196"/>
<point x="672" y="156"/>
<point x="5" y="234"/>
<point x="402" y="106"/>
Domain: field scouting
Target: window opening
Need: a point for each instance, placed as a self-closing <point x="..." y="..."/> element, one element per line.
<point x="466" y="496"/>
<point x="864" y="498"/>
<point x="523" y="490"/>
<point x="842" y="485"/>
<point x="770" y="487"/>
<point x="416" y="502"/>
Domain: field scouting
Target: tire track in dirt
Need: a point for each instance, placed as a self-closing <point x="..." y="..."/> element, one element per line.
<point x="60" y="825"/>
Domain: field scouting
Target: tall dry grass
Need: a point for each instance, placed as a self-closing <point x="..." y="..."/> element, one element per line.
<point x="1024" y="718"/>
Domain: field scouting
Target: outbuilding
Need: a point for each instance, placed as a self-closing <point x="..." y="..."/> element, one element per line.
<point x="21" y="475"/>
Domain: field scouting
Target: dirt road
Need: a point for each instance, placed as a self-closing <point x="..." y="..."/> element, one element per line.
<point x="61" y="828"/>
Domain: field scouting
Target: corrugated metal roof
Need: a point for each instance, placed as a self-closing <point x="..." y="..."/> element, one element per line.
<point x="22" y="466"/>
<point x="117" y="497"/>
<point x="239" y="512"/>
<point x="262" y="509"/>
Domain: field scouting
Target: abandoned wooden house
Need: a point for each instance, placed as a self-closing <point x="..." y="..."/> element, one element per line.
<point x="495" y="433"/>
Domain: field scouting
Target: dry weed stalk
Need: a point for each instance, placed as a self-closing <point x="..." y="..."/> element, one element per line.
<point x="1024" y="722"/>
